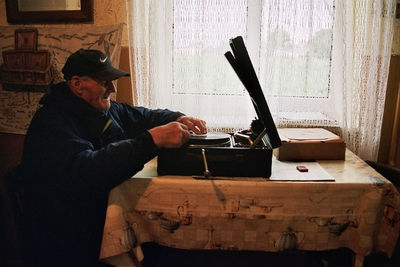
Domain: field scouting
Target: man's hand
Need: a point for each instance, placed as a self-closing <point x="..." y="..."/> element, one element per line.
<point x="196" y="125"/>
<point x="171" y="135"/>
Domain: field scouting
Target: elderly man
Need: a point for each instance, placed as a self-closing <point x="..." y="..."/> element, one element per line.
<point x="79" y="145"/>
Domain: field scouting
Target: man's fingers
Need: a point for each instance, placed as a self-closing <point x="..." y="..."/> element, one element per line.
<point x="196" y="125"/>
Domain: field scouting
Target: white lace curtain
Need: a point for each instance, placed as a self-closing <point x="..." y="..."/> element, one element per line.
<point x="320" y="63"/>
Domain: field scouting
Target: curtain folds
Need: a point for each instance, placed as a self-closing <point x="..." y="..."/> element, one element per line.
<point x="320" y="64"/>
<point x="367" y="50"/>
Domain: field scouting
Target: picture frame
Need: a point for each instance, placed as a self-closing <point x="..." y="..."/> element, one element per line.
<point x="15" y="15"/>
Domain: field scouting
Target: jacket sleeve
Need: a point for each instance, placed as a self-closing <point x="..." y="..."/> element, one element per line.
<point x="56" y="156"/>
<point x="110" y="165"/>
<point x="135" y="119"/>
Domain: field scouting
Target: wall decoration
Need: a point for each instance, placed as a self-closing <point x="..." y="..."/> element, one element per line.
<point x="25" y="68"/>
<point x="17" y="108"/>
<point x="26" y="39"/>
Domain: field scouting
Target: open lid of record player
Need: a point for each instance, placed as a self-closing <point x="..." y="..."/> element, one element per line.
<point x="241" y="63"/>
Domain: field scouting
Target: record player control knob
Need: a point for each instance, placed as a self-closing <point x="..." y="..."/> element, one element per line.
<point x="207" y="173"/>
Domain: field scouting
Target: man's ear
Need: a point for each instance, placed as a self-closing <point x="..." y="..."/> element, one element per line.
<point x="76" y="85"/>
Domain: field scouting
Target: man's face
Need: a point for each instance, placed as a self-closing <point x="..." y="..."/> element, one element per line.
<point x="96" y="92"/>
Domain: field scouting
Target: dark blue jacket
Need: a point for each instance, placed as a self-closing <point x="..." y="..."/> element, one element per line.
<point x="73" y="155"/>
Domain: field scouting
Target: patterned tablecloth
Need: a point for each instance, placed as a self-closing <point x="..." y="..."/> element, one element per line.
<point x="359" y="211"/>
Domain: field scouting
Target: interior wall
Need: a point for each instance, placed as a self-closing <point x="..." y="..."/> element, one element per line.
<point x="106" y="12"/>
<point x="389" y="149"/>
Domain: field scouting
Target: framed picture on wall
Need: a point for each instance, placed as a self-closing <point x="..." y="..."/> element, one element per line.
<point x="44" y="11"/>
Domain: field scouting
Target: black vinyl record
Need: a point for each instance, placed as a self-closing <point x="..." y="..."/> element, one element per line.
<point x="209" y="139"/>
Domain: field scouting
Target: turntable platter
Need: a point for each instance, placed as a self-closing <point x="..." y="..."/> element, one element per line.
<point x="214" y="139"/>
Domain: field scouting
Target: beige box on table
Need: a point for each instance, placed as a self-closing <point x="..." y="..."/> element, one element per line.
<point x="307" y="144"/>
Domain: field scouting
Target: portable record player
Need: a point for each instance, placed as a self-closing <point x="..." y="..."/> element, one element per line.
<point x="247" y="153"/>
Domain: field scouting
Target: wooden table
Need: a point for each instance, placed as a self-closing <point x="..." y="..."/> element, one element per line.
<point x="359" y="210"/>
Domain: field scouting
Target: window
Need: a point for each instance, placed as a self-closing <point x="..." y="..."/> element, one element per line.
<point x="291" y="55"/>
<point x="201" y="31"/>
<point x="319" y="62"/>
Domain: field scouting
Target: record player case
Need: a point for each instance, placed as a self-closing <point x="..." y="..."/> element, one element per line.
<point x="222" y="161"/>
<point x="247" y="153"/>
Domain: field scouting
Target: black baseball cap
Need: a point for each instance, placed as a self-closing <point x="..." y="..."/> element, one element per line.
<point x="92" y="63"/>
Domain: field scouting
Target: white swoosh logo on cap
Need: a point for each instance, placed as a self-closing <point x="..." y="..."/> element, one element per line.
<point x="103" y="60"/>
